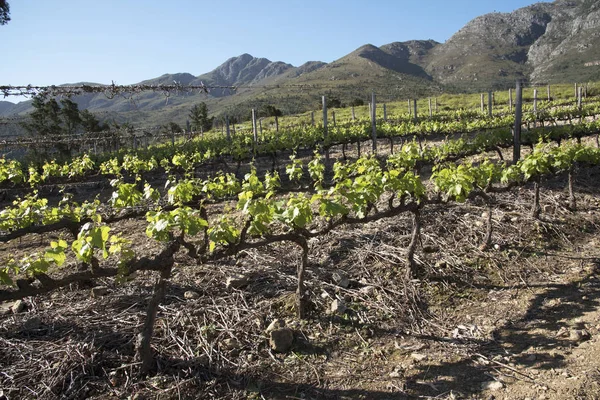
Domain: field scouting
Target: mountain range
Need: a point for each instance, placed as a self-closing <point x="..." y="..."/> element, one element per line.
<point x="544" y="42"/>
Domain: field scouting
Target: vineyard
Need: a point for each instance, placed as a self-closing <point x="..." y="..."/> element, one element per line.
<point x="392" y="257"/>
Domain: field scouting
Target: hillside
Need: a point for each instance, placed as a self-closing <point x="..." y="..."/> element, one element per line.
<point x="544" y="42"/>
<point x="6" y="107"/>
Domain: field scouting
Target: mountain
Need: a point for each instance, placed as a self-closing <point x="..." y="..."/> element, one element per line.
<point x="6" y="107"/>
<point x="570" y="48"/>
<point x="544" y="42"/>
<point x="413" y="51"/>
<point x="243" y="70"/>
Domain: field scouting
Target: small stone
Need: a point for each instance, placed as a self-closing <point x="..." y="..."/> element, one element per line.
<point x="341" y="279"/>
<point x="579" y="335"/>
<point x="514" y="219"/>
<point x="368" y="290"/>
<point x="191" y="295"/>
<point x="18" y="307"/>
<point x="485" y="214"/>
<point x="562" y="332"/>
<point x="492" y="385"/>
<point x="497" y="246"/>
<point x="276" y="324"/>
<point x="430" y="249"/>
<point x="418" y="356"/>
<point x="394" y="374"/>
<point x="99" y="291"/>
<point x="338" y="307"/>
<point x="5" y="308"/>
<point x="281" y="340"/>
<point x="478" y="223"/>
<point x="202" y="359"/>
<point x="236" y="281"/>
<point x="32" y="324"/>
<point x="229" y="344"/>
<point x="441" y="264"/>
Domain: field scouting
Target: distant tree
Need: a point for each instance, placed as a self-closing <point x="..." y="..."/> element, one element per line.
<point x="70" y="116"/>
<point x="90" y="123"/>
<point x="271" y="111"/>
<point x="333" y="102"/>
<point x="173" y="127"/>
<point x="357" y="102"/>
<point x="49" y="120"/>
<point x="4" y="12"/>
<point x="199" y="117"/>
<point x="44" y="120"/>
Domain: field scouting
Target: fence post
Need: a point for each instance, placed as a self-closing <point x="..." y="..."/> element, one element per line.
<point x="548" y="90"/>
<point x="517" y="129"/>
<point x="416" y="111"/>
<point x="227" y="128"/>
<point x="510" y="104"/>
<point x="373" y="121"/>
<point x="482" y="105"/>
<point x="384" y="112"/>
<point x="535" y="99"/>
<point x="312" y="118"/>
<point x="333" y="117"/>
<point x="276" y="124"/>
<point x="409" y="108"/>
<point x="430" y="109"/>
<point x="260" y="126"/>
<point x="490" y="104"/>
<point x="576" y="91"/>
<point x="579" y="95"/>
<point x="435" y="104"/>
<point x="324" y="100"/>
<point x="254" y="131"/>
<point x="188" y="128"/>
<point x="353" y="115"/>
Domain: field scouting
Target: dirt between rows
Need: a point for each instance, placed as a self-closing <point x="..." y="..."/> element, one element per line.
<point x="518" y="321"/>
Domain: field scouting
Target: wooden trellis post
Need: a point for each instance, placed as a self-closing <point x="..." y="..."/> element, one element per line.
<point x="517" y="129"/>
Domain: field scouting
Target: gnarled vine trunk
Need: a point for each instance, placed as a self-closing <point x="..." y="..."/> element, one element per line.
<point x="143" y="344"/>
<point x="411" y="271"/>
<point x="300" y="295"/>
<point x="536" y="209"/>
<point x="571" y="179"/>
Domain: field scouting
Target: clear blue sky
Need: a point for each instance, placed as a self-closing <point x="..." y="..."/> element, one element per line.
<point x="65" y="41"/>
